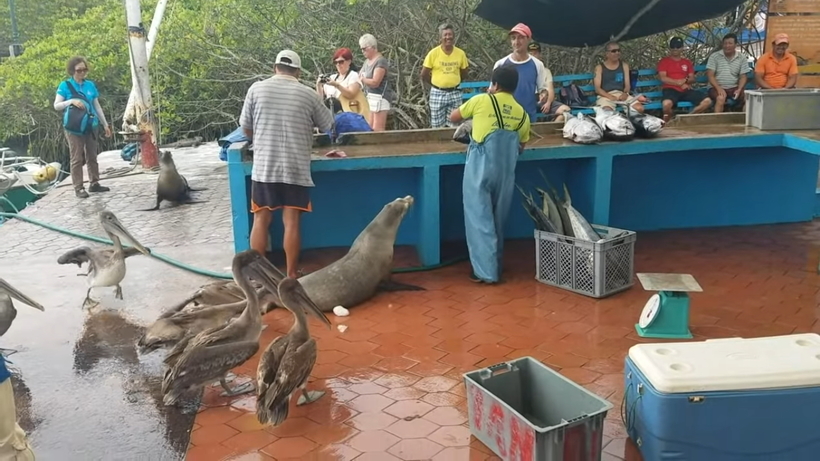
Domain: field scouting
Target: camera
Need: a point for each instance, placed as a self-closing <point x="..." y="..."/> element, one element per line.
<point x="324" y="78"/>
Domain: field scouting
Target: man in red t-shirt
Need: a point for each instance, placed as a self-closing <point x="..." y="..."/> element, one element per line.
<point x="677" y="75"/>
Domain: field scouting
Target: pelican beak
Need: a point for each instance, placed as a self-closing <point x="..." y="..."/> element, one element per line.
<point x="114" y="226"/>
<point x="4" y="286"/>
<point x="267" y="274"/>
<point x="302" y="300"/>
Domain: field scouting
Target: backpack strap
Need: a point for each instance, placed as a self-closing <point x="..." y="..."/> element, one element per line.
<point x="498" y="117"/>
<point x="521" y="123"/>
<point x="497" y="111"/>
<point x="74" y="91"/>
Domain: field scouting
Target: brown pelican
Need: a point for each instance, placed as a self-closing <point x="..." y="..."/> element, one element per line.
<point x="172" y="327"/>
<point x="7" y="311"/>
<point x="197" y="360"/>
<point x="287" y="362"/>
<point x="106" y="266"/>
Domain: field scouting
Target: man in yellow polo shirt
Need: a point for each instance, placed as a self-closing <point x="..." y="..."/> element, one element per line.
<point x="777" y="68"/>
<point x="501" y="127"/>
<point x="444" y="67"/>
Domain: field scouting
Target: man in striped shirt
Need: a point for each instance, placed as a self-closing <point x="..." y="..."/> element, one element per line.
<point x="279" y="116"/>
<point x="726" y="70"/>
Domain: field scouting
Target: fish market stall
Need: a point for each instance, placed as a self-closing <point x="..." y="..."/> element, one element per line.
<point x="700" y="171"/>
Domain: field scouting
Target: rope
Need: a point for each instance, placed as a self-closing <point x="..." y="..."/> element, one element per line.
<point x="187" y="267"/>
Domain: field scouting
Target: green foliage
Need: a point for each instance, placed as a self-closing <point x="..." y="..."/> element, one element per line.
<point x="209" y="52"/>
<point x="36" y="18"/>
<point x="28" y="83"/>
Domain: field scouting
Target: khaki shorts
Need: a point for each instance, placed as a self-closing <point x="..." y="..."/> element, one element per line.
<point x="13" y="443"/>
<point x="606" y="102"/>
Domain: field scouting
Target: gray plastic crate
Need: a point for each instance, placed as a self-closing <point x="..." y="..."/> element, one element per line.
<point x="792" y="109"/>
<point x="522" y="409"/>
<point x="595" y="269"/>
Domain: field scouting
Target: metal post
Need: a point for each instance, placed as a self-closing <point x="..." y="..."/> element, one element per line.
<point x="16" y="47"/>
<point x="146" y="120"/>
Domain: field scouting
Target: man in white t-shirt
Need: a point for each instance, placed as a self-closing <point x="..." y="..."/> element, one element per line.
<point x="535" y="90"/>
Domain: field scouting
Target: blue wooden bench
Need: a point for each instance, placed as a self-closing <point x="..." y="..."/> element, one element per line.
<point x="647" y="84"/>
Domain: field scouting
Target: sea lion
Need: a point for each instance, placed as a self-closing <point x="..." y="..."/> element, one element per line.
<point x="367" y="266"/>
<point x="171" y="185"/>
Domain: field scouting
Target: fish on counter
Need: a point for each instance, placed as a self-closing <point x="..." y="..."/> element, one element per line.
<point x="646" y="125"/>
<point x="582" y="129"/>
<point x="615" y="125"/>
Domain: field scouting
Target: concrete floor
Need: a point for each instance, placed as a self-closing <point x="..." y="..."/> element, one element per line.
<point x="83" y="391"/>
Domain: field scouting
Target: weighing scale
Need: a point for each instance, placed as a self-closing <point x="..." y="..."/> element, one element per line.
<point x="666" y="314"/>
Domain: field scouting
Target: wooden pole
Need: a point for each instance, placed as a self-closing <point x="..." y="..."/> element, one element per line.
<point x="146" y="121"/>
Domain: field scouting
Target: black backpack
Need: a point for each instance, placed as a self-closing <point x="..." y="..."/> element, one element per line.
<point x="573" y="96"/>
<point x="75" y="120"/>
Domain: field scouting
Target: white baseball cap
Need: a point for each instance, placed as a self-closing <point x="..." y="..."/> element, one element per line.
<point x="289" y="58"/>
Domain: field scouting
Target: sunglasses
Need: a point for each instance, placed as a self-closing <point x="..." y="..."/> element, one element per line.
<point x="617" y="50"/>
<point x="339" y="61"/>
<point x="81" y="70"/>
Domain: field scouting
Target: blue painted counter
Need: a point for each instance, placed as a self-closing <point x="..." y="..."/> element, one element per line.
<point x="641" y="185"/>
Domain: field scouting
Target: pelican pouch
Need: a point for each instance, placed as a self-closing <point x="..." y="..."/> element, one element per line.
<point x="78" y="121"/>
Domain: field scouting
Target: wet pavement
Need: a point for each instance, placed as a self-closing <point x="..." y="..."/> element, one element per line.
<point x="393" y="377"/>
<point x="82" y="391"/>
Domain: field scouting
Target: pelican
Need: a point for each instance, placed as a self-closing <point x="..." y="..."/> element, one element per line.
<point x="212" y="305"/>
<point x="7" y="311"/>
<point x="106" y="266"/>
<point x="197" y="360"/>
<point x="287" y="362"/>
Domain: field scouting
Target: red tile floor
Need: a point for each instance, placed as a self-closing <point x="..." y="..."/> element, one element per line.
<point x="394" y="377"/>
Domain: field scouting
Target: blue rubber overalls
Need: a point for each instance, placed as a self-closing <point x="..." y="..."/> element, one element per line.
<point x="489" y="182"/>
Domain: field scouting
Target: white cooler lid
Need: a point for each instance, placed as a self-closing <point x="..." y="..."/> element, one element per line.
<point x="730" y="364"/>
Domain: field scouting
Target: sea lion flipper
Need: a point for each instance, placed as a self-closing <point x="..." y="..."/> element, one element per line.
<point x="156" y="207"/>
<point x="392" y="285"/>
<point x="197" y="190"/>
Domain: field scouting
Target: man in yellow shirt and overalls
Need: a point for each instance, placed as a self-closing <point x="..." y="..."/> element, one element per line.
<point x="501" y="127"/>
<point x="444" y="67"/>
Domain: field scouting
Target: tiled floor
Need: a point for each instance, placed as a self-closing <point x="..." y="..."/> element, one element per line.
<point x="394" y="381"/>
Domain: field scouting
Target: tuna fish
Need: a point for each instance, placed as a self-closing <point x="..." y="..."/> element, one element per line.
<point x="646" y="126"/>
<point x="464" y="132"/>
<point x="614" y="124"/>
<point x="550" y="208"/>
<point x="542" y="221"/>
<point x="580" y="226"/>
<point x="582" y="129"/>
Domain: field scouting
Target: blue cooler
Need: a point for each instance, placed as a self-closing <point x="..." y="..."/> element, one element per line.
<point x="731" y="399"/>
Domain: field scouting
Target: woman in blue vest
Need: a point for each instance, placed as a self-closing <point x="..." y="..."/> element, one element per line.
<point x="80" y="95"/>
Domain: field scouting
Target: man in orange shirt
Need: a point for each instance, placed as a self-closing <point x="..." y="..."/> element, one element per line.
<point x="777" y="68"/>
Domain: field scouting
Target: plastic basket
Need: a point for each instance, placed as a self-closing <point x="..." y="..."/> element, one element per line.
<point x="524" y="410"/>
<point x="595" y="269"/>
<point x="785" y="109"/>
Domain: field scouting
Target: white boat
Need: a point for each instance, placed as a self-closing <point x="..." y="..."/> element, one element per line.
<point x="23" y="180"/>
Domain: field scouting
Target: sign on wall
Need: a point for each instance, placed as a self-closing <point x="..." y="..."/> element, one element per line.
<point x="801" y="21"/>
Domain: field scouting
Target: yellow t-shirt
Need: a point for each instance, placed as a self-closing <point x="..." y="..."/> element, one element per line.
<point x="446" y="69"/>
<point x="480" y="108"/>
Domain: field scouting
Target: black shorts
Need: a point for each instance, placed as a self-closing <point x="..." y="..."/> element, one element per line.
<point x="694" y="97"/>
<point x="275" y="195"/>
